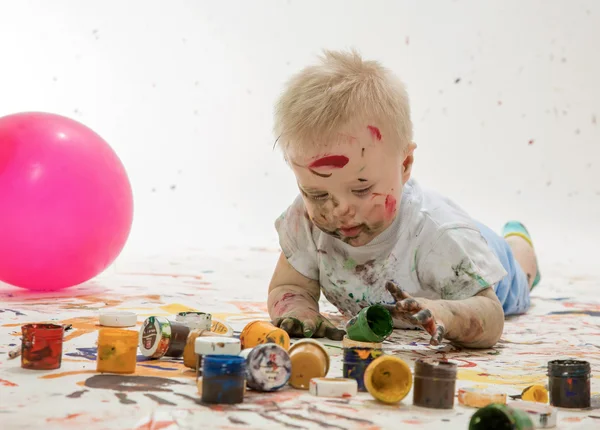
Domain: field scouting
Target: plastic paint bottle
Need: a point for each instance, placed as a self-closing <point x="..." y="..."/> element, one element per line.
<point x="41" y="347"/>
<point x="268" y="367"/>
<point x="309" y="360"/>
<point x="160" y="337"/>
<point x="569" y="383"/>
<point x="355" y="362"/>
<point x="498" y="416"/>
<point x="224" y="379"/>
<point x="371" y="324"/>
<point x="435" y="383"/>
<point x="388" y="379"/>
<point x="259" y="332"/>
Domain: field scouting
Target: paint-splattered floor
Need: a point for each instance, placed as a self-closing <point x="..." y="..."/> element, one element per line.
<point x="563" y="322"/>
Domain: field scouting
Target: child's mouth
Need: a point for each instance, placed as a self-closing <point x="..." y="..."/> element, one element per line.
<point x="352" y="231"/>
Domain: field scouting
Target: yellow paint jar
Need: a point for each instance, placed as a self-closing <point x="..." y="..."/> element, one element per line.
<point x="117" y="350"/>
<point x="388" y="379"/>
<point x="535" y="393"/>
<point x="189" y="352"/>
<point x="309" y="360"/>
<point x="259" y="332"/>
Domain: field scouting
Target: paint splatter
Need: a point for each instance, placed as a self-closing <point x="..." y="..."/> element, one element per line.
<point x="234" y="420"/>
<point x="159" y="400"/>
<point x="17" y="313"/>
<point x="6" y="383"/>
<point x="374" y="132"/>
<point x="335" y="161"/>
<point x="457" y="80"/>
<point x="131" y="383"/>
<point x="76" y="394"/>
<point x="531" y="141"/>
<point x="124" y="400"/>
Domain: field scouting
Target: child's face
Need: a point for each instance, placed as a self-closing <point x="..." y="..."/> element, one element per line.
<point x="352" y="188"/>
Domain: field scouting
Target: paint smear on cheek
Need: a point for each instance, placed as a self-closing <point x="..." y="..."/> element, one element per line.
<point x="374" y="132"/>
<point x="390" y="205"/>
<point x="337" y="161"/>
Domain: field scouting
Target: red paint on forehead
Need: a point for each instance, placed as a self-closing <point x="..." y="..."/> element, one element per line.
<point x="337" y="161"/>
<point x="374" y="132"/>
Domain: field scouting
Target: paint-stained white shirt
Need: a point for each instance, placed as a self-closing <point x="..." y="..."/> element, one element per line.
<point x="433" y="249"/>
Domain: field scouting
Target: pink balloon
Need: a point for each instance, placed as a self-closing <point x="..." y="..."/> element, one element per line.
<point x="66" y="205"/>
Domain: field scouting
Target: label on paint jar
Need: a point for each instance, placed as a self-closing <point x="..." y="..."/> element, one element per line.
<point x="149" y="336"/>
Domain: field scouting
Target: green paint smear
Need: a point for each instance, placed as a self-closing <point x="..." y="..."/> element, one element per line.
<point x="350" y="264"/>
<point x="351" y="295"/>
<point x="414" y="262"/>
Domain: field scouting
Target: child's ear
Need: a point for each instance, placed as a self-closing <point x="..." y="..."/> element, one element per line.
<point x="407" y="164"/>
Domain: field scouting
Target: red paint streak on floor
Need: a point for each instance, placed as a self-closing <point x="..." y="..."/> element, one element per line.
<point x="374" y="132"/>
<point x="7" y="383"/>
<point x="156" y="425"/>
<point x="337" y="161"/>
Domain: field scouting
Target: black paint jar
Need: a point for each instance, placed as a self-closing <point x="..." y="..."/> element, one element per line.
<point x="434" y="384"/>
<point x="569" y="383"/>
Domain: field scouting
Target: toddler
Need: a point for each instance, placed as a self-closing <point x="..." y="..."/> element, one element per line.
<point x="363" y="232"/>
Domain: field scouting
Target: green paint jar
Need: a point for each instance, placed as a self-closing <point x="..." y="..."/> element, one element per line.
<point x="371" y="324"/>
<point x="499" y="416"/>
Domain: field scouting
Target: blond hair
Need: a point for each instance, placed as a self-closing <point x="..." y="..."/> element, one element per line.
<point x="342" y="89"/>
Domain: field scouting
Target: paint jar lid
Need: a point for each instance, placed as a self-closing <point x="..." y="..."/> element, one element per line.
<point x="221" y="328"/>
<point x="268" y="367"/>
<point x="349" y="343"/>
<point x="542" y="416"/>
<point x="195" y="320"/>
<point x="480" y="397"/>
<point x="333" y="387"/>
<point x="568" y="368"/>
<point x="315" y="343"/>
<point x="222" y="364"/>
<point x="118" y="319"/>
<point x="217" y="345"/>
<point x="155" y="337"/>
<point x="428" y="368"/>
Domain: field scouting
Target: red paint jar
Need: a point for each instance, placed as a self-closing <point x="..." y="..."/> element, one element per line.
<point x="41" y="348"/>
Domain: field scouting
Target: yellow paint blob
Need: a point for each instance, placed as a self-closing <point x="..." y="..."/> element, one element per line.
<point x="388" y="379"/>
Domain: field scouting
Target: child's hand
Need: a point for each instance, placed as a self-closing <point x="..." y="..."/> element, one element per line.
<point x="416" y="312"/>
<point x="308" y="323"/>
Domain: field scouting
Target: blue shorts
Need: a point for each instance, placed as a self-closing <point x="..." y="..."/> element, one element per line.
<point x="513" y="289"/>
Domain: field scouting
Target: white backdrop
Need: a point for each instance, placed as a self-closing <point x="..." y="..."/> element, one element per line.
<point x="505" y="98"/>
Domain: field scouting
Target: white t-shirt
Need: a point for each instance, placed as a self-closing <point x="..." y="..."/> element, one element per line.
<point x="433" y="249"/>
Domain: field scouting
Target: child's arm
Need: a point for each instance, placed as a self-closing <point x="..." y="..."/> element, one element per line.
<point x="294" y="304"/>
<point x="475" y="322"/>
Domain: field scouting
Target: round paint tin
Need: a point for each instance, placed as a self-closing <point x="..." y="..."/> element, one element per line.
<point x="42" y="346"/>
<point x="223" y="380"/>
<point x="435" y="382"/>
<point x="259" y="332"/>
<point x="309" y="360"/>
<point x="214" y="345"/>
<point x="388" y="379"/>
<point x="195" y="320"/>
<point x="371" y="324"/>
<point x="569" y="383"/>
<point x="498" y="416"/>
<point x="160" y="337"/>
<point x="268" y="367"/>
<point x="355" y="363"/>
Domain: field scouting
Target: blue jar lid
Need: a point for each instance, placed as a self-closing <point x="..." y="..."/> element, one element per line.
<point x="220" y="364"/>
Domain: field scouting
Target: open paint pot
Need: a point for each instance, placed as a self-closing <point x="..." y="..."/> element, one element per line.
<point x="356" y="360"/>
<point x="535" y="393"/>
<point x="268" y="367"/>
<point x="435" y="382"/>
<point x="569" y="383"/>
<point x="259" y="332"/>
<point x="388" y="379"/>
<point x="214" y="345"/>
<point x="117" y="350"/>
<point x="160" y="337"/>
<point x="224" y="379"/>
<point x="498" y="416"/>
<point x="371" y="324"/>
<point x="309" y="360"/>
<point x="42" y="346"/>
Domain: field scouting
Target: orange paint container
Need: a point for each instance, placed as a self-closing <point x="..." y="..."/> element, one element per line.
<point x="309" y="360"/>
<point x="388" y="379"/>
<point x="117" y="350"/>
<point x="259" y="332"/>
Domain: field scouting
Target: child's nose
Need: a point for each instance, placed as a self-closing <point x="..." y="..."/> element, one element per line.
<point x="342" y="209"/>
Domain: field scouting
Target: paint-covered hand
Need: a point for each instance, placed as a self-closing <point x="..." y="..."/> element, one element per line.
<point x="308" y="323"/>
<point x="416" y="311"/>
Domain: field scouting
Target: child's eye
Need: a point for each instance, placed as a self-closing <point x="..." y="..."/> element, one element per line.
<point x="362" y="192"/>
